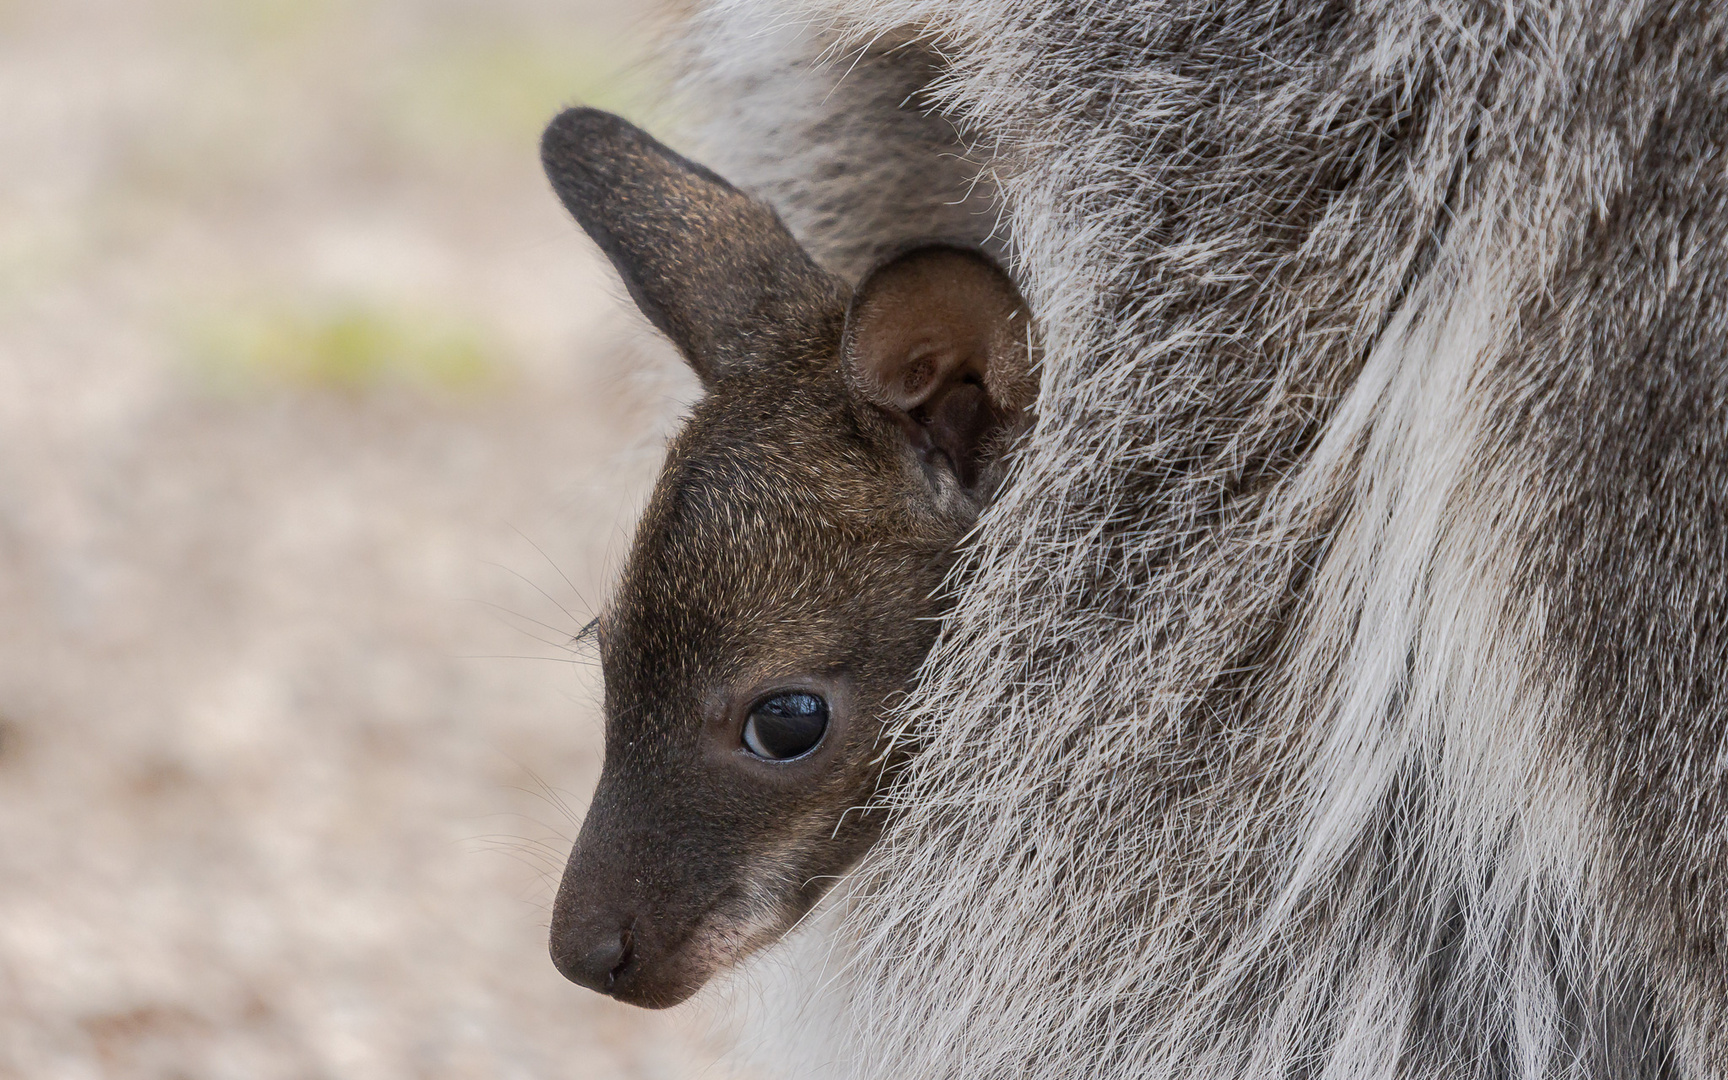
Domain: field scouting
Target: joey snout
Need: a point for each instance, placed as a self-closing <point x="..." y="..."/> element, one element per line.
<point x="653" y="942"/>
<point x="786" y="578"/>
<point x="634" y="913"/>
<point x="711" y="843"/>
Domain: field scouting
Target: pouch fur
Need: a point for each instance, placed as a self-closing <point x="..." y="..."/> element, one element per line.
<point x="1339" y="686"/>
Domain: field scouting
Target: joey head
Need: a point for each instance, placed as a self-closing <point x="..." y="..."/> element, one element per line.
<point x="782" y="584"/>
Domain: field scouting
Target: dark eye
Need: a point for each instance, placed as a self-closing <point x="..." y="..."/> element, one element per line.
<point x="785" y="726"/>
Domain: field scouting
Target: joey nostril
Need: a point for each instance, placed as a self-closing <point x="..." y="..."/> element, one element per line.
<point x="624" y="959"/>
<point x="599" y="965"/>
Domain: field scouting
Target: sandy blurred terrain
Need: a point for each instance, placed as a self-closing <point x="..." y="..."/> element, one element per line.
<point x="320" y="429"/>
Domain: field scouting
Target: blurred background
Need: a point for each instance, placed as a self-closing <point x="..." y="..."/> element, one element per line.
<point x="321" y="428"/>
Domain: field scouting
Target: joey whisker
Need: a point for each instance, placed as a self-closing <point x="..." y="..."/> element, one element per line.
<point x="502" y="610"/>
<point x="555" y="568"/>
<point x="508" y="656"/>
<point x="574" y="621"/>
<point x="551" y="796"/>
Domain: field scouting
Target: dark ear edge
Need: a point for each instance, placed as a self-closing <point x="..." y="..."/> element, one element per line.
<point x="712" y="268"/>
<point x="939" y="339"/>
<point x="562" y="147"/>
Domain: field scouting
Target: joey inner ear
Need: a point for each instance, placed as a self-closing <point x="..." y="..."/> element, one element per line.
<point x="938" y="338"/>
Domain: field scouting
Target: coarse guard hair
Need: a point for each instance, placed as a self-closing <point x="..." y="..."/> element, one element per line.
<point x="1339" y="685"/>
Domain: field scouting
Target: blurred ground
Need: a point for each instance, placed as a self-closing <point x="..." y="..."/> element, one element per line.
<point x="301" y="369"/>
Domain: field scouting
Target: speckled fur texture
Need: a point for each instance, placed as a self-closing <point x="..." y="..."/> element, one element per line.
<point x="1339" y="685"/>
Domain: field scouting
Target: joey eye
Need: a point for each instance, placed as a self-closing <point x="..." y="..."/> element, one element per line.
<point x="785" y="726"/>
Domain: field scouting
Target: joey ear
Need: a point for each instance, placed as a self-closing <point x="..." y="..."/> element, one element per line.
<point x="712" y="268"/>
<point x="940" y="339"/>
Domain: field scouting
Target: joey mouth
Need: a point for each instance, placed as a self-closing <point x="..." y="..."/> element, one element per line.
<point x="658" y="960"/>
<point x="695" y="856"/>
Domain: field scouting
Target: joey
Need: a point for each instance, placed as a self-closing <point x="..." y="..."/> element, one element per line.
<point x="782" y="585"/>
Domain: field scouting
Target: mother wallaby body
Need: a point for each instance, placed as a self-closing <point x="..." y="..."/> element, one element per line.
<point x="1340" y="682"/>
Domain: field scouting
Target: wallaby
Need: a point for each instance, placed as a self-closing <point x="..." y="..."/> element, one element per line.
<point x="785" y="578"/>
<point x="1337" y="684"/>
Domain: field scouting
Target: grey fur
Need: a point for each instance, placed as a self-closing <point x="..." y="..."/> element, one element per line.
<point x="859" y="165"/>
<point x="1339" y="685"/>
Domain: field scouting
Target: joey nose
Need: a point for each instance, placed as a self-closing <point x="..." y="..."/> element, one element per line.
<point x="595" y="960"/>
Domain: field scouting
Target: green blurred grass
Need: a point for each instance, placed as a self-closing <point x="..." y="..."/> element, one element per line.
<point x="461" y="101"/>
<point x="505" y="90"/>
<point x="265" y="20"/>
<point x="352" y="347"/>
